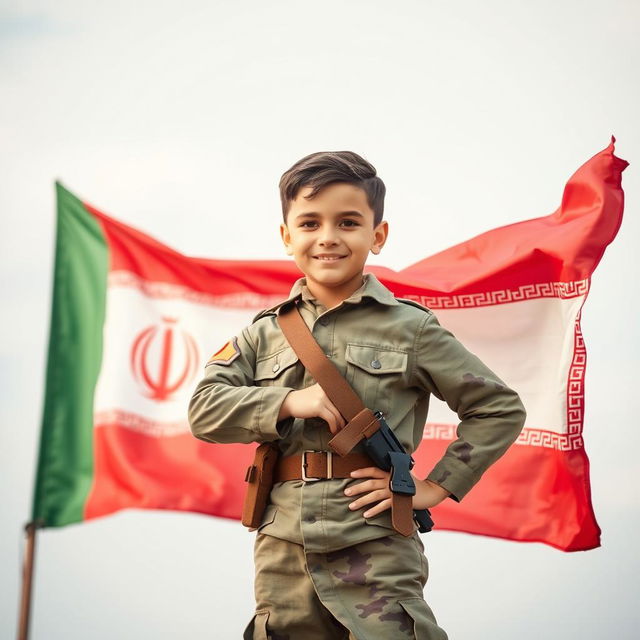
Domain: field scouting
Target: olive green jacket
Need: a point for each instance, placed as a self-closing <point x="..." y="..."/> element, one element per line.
<point x="395" y="354"/>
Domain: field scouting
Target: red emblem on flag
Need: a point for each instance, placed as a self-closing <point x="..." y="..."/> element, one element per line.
<point x="170" y="352"/>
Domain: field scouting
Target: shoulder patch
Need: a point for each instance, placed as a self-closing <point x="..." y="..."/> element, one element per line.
<point x="227" y="354"/>
<point x="413" y="303"/>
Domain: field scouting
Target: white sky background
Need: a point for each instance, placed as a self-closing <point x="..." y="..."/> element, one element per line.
<point x="179" y="118"/>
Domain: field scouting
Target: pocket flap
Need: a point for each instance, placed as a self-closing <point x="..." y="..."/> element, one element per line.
<point x="376" y="360"/>
<point x="257" y="627"/>
<point x="424" y="622"/>
<point x="269" y="515"/>
<point x="272" y="366"/>
<point x="384" y="520"/>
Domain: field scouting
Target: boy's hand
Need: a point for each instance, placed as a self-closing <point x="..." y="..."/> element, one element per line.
<point x="376" y="489"/>
<point x="311" y="402"/>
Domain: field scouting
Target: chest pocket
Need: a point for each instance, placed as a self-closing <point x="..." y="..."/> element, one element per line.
<point x="277" y="369"/>
<point x="375" y="373"/>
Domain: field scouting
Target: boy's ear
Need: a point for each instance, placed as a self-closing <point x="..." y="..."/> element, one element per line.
<point x="286" y="238"/>
<point x="380" y="234"/>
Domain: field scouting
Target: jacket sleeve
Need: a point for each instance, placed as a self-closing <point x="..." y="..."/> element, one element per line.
<point x="226" y="406"/>
<point x="491" y="414"/>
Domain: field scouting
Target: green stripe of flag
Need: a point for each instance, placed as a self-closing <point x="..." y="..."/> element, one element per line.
<point x="65" y="464"/>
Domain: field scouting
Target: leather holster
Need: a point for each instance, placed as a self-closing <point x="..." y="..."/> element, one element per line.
<point x="259" y="479"/>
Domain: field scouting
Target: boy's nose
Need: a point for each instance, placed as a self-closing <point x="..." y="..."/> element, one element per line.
<point x="328" y="238"/>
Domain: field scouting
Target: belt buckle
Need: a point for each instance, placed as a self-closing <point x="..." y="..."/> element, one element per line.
<point x="303" y="465"/>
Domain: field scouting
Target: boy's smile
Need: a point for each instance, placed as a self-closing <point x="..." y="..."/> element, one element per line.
<point x="330" y="238"/>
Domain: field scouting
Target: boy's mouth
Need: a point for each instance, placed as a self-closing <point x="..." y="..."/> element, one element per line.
<point x="326" y="257"/>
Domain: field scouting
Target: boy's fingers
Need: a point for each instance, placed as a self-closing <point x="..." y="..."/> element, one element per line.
<point x="367" y="485"/>
<point x="341" y="420"/>
<point x="334" y="425"/>
<point x="370" y="472"/>
<point x="327" y="402"/>
<point x="337" y="416"/>
<point x="330" y="419"/>
<point x="373" y="496"/>
<point x="379" y="508"/>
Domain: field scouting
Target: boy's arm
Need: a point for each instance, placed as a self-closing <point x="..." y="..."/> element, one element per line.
<point x="227" y="406"/>
<point x="491" y="414"/>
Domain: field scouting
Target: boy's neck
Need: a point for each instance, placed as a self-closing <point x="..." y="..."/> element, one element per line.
<point x="331" y="297"/>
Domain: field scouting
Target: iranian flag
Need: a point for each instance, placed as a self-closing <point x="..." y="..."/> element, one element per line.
<point x="133" y="323"/>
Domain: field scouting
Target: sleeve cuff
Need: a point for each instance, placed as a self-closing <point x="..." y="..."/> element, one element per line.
<point x="267" y="424"/>
<point x="454" y="476"/>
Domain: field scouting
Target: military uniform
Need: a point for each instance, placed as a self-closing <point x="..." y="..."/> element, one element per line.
<point x="359" y="574"/>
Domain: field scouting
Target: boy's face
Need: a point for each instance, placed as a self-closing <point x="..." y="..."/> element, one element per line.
<point x="330" y="238"/>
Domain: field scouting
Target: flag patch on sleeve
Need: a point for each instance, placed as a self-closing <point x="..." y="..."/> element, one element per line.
<point x="227" y="354"/>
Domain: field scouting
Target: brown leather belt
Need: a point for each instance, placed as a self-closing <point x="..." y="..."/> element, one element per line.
<point x="319" y="465"/>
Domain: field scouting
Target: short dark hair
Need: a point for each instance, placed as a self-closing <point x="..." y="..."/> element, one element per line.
<point x="319" y="169"/>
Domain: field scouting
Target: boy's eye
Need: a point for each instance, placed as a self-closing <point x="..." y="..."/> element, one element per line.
<point x="345" y="223"/>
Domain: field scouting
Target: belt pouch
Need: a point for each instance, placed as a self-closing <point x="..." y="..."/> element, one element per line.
<point x="259" y="479"/>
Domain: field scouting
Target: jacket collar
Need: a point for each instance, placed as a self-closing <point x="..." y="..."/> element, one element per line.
<point x="371" y="288"/>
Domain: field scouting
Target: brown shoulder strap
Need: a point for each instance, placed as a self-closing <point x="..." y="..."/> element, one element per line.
<point x="361" y="421"/>
<point x="325" y="373"/>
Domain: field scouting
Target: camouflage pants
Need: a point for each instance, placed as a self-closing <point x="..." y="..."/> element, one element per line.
<point x="371" y="590"/>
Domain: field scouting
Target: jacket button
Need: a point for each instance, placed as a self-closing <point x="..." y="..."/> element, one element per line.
<point x="324" y="321"/>
<point x="376" y="364"/>
<point x="276" y="366"/>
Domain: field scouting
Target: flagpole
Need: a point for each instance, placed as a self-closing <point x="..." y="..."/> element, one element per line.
<point x="27" y="579"/>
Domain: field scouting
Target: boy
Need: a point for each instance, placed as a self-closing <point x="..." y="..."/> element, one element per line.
<point x="329" y="563"/>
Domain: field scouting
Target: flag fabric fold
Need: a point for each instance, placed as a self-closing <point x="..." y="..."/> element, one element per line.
<point x="133" y="322"/>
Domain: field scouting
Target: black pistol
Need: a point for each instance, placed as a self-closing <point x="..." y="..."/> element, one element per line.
<point x="384" y="448"/>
